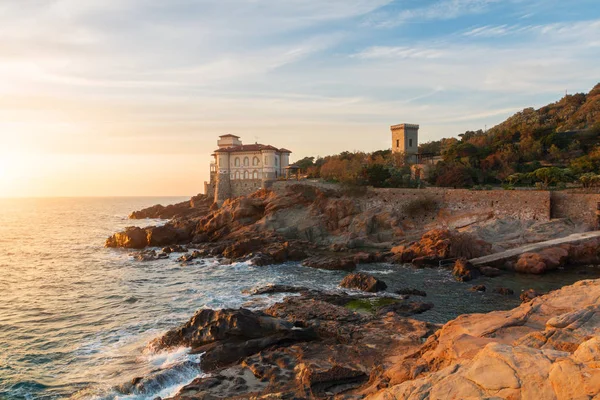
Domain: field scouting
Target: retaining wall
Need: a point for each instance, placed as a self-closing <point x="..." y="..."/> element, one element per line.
<point x="578" y="207"/>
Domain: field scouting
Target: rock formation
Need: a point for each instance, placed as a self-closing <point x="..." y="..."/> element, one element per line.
<point x="548" y="348"/>
<point x="364" y="282"/>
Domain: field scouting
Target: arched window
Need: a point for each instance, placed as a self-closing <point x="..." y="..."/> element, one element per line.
<point x="237" y="175"/>
<point x="237" y="161"/>
<point x="255" y="175"/>
<point x="246" y="161"/>
<point x="255" y="161"/>
<point x="246" y="175"/>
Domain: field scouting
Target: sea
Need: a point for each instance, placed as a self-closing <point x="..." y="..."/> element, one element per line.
<point x="76" y="317"/>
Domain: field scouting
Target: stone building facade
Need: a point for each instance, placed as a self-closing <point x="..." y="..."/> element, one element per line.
<point x="240" y="169"/>
<point x="405" y="139"/>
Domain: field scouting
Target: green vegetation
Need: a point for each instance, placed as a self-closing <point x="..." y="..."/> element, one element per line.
<point x="545" y="148"/>
<point x="379" y="169"/>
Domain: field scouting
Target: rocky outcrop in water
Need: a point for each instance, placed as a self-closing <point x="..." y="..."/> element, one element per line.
<point x="464" y="271"/>
<point x="226" y="336"/>
<point x="197" y="205"/>
<point x="547" y="348"/>
<point x="364" y="282"/>
<point x="335" y="350"/>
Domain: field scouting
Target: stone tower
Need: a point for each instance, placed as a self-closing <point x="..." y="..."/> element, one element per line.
<point x="223" y="184"/>
<point x="405" y="139"/>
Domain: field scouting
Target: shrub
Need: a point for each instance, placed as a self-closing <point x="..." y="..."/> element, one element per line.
<point x="420" y="206"/>
<point x="457" y="176"/>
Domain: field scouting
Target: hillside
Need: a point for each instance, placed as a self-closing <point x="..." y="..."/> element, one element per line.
<point x="572" y="112"/>
<point x="551" y="146"/>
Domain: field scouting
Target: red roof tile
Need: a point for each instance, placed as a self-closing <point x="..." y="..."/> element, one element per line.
<point x="250" y="147"/>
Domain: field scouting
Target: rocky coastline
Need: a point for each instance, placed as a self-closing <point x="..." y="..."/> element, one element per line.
<point x="360" y="341"/>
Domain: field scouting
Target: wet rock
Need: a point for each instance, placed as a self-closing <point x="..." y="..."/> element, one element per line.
<point x="464" y="271"/>
<point x="364" y="282"/>
<point x="272" y="289"/>
<point x="366" y="258"/>
<point x="478" y="288"/>
<point x="411" y="292"/>
<point x="242" y="248"/>
<point x="405" y="309"/>
<point x="144" y="256"/>
<point x="165" y="235"/>
<point x="225" y="336"/>
<point x="490" y="272"/>
<point x="504" y="291"/>
<point x="330" y="263"/>
<point x="529" y="295"/>
<point x="132" y="237"/>
<point x="426" y="261"/>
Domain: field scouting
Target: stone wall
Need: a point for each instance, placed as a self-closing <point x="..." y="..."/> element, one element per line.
<point x="245" y="187"/>
<point x="473" y="205"/>
<point x="455" y="207"/>
<point x="462" y="206"/>
<point x="577" y="207"/>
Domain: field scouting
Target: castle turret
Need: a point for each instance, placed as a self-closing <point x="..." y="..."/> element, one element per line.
<point x="269" y="172"/>
<point x="223" y="184"/>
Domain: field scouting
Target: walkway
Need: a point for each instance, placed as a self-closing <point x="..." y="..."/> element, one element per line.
<point x="533" y="247"/>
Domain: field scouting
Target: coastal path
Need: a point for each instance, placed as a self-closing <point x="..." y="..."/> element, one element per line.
<point x="533" y="247"/>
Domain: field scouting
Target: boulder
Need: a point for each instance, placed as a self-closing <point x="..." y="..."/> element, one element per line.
<point x="405" y="309"/>
<point x="504" y="291"/>
<point x="132" y="237"/>
<point x="490" y="272"/>
<point x="411" y="292"/>
<point x="528" y="295"/>
<point x="464" y="271"/>
<point x="330" y="263"/>
<point x="364" y="282"/>
<point x="441" y="244"/>
<point x="478" y="288"/>
<point x="165" y="235"/>
<point x="272" y="289"/>
<point x="540" y="262"/>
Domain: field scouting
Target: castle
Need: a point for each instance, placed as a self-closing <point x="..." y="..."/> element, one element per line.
<point x="241" y="169"/>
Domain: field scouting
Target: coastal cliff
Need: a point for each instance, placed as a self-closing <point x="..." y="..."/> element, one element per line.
<point x="333" y="227"/>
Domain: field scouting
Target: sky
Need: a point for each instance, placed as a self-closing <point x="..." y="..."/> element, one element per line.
<point x="128" y="97"/>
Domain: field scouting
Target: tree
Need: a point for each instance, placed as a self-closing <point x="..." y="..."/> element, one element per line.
<point x="376" y="175"/>
<point x="548" y="176"/>
<point x="305" y="163"/>
<point x="456" y="176"/>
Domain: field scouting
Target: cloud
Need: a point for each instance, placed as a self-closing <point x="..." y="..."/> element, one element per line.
<point x="580" y="30"/>
<point x="439" y="10"/>
<point x="399" y="52"/>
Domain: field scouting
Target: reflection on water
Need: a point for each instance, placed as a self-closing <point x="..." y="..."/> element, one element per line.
<point x="75" y="317"/>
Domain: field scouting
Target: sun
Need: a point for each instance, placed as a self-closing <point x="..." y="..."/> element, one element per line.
<point x="14" y="169"/>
